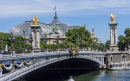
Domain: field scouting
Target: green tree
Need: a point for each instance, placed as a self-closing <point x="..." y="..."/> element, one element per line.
<point x="127" y="32"/>
<point x="42" y="45"/>
<point x="62" y="45"/>
<point x="107" y="45"/>
<point x="79" y="34"/>
<point x="124" y="41"/>
<point x="5" y="40"/>
<point x="18" y="43"/>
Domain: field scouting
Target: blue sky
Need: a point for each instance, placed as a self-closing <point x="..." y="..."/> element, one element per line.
<point x="93" y="13"/>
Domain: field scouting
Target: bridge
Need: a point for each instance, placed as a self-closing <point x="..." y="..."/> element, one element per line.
<point x="13" y="66"/>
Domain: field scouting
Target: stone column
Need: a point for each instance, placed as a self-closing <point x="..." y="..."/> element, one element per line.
<point x="36" y="37"/>
<point x="113" y="36"/>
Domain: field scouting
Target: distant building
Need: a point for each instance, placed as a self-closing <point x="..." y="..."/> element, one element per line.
<point x="94" y="37"/>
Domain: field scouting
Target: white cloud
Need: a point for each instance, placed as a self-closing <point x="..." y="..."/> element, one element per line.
<point x="11" y="8"/>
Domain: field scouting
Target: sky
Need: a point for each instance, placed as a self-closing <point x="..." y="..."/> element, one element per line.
<point x="93" y="13"/>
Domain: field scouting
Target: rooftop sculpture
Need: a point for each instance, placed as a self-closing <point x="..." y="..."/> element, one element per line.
<point x="112" y="17"/>
<point x="34" y="19"/>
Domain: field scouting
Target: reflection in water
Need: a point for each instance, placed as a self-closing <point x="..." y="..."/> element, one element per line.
<point x="78" y="75"/>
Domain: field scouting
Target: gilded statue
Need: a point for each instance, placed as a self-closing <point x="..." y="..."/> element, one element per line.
<point x="112" y="17"/>
<point x="34" y="19"/>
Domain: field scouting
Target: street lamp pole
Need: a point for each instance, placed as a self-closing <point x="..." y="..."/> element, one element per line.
<point x="19" y="48"/>
<point x="45" y="40"/>
<point x="95" y="47"/>
<point x="12" y="40"/>
<point x="87" y="46"/>
<point x="76" y="41"/>
<point x="91" y="46"/>
<point x="102" y="47"/>
<point x="128" y="44"/>
<point x="98" y="47"/>
<point x="24" y="38"/>
<point x="2" y="44"/>
<point x="31" y="40"/>
<point x="66" y="43"/>
<point x="120" y="46"/>
<point x="82" y="45"/>
<point x="57" y="41"/>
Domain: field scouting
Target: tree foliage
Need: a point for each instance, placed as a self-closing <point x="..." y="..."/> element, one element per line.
<point x="107" y="45"/>
<point x="18" y="43"/>
<point x="5" y="40"/>
<point x="79" y="34"/>
<point x="124" y="41"/>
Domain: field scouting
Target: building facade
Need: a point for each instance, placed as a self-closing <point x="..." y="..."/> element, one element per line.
<point x="94" y="37"/>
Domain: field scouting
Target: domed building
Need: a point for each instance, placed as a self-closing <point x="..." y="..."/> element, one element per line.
<point x="48" y="29"/>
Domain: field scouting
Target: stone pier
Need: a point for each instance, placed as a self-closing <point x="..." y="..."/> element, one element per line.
<point x="113" y="36"/>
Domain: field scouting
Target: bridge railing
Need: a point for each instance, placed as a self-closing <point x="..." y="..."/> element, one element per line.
<point x="30" y="54"/>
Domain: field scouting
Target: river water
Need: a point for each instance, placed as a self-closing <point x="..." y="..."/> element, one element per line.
<point x="78" y="75"/>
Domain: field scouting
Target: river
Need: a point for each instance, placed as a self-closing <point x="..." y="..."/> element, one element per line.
<point x="78" y="75"/>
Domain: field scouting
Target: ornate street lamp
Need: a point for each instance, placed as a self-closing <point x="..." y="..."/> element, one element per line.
<point x="57" y="41"/>
<point x="12" y="40"/>
<point x="66" y="43"/>
<point x="45" y="40"/>
<point x="87" y="46"/>
<point x="82" y="45"/>
<point x="31" y="40"/>
<point x="24" y="38"/>
<point x="91" y="46"/>
<point x="95" y="47"/>
<point x="19" y="48"/>
<point x="98" y="47"/>
<point x="2" y="44"/>
<point x="120" y="46"/>
<point x="76" y="41"/>
<point x="128" y="44"/>
<point x="102" y="47"/>
<point x="27" y="48"/>
<point x="1" y="48"/>
<point x="108" y="45"/>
